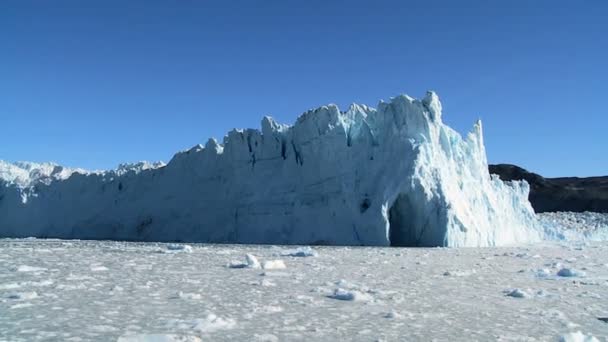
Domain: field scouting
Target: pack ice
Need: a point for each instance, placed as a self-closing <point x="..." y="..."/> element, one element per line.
<point x="395" y="175"/>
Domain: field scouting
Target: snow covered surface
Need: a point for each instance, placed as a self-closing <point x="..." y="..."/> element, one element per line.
<point x="26" y="174"/>
<point x="107" y="291"/>
<point x="395" y="175"/>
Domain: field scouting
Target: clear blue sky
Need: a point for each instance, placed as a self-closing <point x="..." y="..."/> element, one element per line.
<point x="95" y="83"/>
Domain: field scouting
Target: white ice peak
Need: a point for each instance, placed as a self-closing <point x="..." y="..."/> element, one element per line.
<point x="395" y="175"/>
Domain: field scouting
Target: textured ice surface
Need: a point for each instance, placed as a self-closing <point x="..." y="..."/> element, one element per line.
<point x="395" y="175"/>
<point x="569" y="226"/>
<point x="342" y="294"/>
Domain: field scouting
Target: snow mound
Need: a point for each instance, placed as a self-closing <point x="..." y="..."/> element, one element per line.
<point x="391" y="175"/>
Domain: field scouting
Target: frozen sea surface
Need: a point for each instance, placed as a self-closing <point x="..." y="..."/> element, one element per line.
<point x="54" y="290"/>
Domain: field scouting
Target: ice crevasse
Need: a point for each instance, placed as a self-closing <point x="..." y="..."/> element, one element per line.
<point x="391" y="175"/>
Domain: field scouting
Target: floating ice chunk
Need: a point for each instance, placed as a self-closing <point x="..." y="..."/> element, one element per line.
<point x="273" y="265"/>
<point x="176" y="248"/>
<point x="393" y="315"/>
<point x="21" y="305"/>
<point x="350" y="295"/>
<point x="518" y="293"/>
<point x="98" y="268"/>
<point x="159" y="338"/>
<point x="300" y="252"/>
<point x="577" y="337"/>
<point x="26" y="268"/>
<point x="187" y="296"/>
<point x="9" y="286"/>
<point x="458" y="273"/>
<point x="22" y="295"/>
<point x="250" y="262"/>
<point x="570" y="272"/>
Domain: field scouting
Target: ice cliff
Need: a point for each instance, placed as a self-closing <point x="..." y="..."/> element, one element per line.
<point x="395" y="175"/>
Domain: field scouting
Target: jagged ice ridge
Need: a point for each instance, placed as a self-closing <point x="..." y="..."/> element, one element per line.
<point x="395" y="175"/>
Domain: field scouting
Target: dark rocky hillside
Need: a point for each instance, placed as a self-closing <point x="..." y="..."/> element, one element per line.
<point x="559" y="194"/>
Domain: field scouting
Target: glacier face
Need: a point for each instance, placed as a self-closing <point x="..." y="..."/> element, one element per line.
<point x="395" y="175"/>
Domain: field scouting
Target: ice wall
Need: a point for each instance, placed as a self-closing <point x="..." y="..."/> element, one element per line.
<point x="395" y="175"/>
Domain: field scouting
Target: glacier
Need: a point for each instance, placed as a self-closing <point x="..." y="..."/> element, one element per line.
<point x="394" y="175"/>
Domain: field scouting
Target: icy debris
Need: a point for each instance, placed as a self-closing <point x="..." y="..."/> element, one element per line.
<point x="250" y="262"/>
<point x="300" y="252"/>
<point x="273" y="265"/>
<point x="570" y="226"/>
<point x="518" y="293"/>
<point x="577" y="337"/>
<point x="159" y="338"/>
<point x="570" y="272"/>
<point x="350" y="295"/>
<point x="177" y="248"/>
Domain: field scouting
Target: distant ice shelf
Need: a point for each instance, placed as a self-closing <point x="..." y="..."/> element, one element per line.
<point x="395" y="175"/>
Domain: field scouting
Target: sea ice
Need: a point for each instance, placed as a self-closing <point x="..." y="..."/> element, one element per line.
<point x="570" y="272"/>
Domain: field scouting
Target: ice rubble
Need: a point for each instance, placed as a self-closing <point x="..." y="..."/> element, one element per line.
<point x="395" y="175"/>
